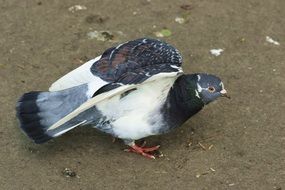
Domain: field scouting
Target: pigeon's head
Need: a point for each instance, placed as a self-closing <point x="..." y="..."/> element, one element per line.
<point x="210" y="87"/>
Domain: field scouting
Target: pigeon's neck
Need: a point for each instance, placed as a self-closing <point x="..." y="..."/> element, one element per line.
<point x="182" y="101"/>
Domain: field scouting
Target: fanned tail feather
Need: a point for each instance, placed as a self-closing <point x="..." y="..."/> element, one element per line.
<point x="38" y="111"/>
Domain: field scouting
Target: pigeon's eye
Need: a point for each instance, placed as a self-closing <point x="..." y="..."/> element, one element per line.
<point x="211" y="89"/>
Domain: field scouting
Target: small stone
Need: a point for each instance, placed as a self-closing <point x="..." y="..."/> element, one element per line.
<point x="75" y="8"/>
<point x="242" y="40"/>
<point x="180" y="20"/>
<point x="67" y="172"/>
<point x="216" y="52"/>
<point x="270" y="40"/>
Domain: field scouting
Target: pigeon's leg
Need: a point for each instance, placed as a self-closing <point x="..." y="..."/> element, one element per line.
<point x="144" y="151"/>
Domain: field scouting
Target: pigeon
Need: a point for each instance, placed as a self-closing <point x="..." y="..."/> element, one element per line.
<point x="133" y="90"/>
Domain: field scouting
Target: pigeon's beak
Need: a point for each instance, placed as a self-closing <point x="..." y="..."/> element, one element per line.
<point x="224" y="94"/>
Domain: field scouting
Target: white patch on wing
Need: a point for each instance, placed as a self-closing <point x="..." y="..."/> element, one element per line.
<point x="78" y="76"/>
<point x="176" y="67"/>
<point x="68" y="129"/>
<point x="94" y="86"/>
<point x="121" y="45"/>
<point x="132" y="114"/>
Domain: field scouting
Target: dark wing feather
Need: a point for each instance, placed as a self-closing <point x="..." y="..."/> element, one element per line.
<point x="137" y="60"/>
<point x="141" y="74"/>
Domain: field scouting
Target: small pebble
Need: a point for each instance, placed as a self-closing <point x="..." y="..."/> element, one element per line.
<point x="180" y="20"/>
<point x="75" y="8"/>
<point x="216" y="52"/>
<point x="242" y="40"/>
<point x="67" y="172"/>
<point x="270" y="40"/>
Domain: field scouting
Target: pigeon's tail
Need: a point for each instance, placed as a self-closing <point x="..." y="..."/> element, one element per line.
<point x="38" y="111"/>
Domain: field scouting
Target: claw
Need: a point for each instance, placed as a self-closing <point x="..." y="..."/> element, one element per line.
<point x="151" y="149"/>
<point x="144" y="151"/>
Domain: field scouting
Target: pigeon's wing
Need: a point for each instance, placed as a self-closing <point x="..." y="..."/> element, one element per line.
<point x="122" y="61"/>
<point x="75" y="117"/>
<point x="78" y="76"/>
<point x="140" y="75"/>
<point x="149" y="56"/>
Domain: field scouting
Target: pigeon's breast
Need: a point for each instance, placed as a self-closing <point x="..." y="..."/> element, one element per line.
<point x="136" y="114"/>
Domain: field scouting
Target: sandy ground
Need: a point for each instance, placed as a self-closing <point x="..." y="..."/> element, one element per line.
<point x="243" y="138"/>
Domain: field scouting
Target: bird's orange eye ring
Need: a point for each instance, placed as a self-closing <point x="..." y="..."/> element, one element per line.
<point x="211" y="89"/>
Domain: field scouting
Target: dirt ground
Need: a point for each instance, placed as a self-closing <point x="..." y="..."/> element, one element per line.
<point x="236" y="144"/>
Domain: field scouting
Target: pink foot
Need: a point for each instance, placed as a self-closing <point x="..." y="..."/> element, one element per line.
<point x="144" y="151"/>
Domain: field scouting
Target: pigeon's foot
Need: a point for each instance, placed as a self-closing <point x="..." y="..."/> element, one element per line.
<point x="144" y="151"/>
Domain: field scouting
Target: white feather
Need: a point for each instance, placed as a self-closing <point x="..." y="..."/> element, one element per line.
<point x="78" y="76"/>
<point x="133" y="114"/>
<point x="94" y="86"/>
<point x="68" y="129"/>
<point x="106" y="96"/>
